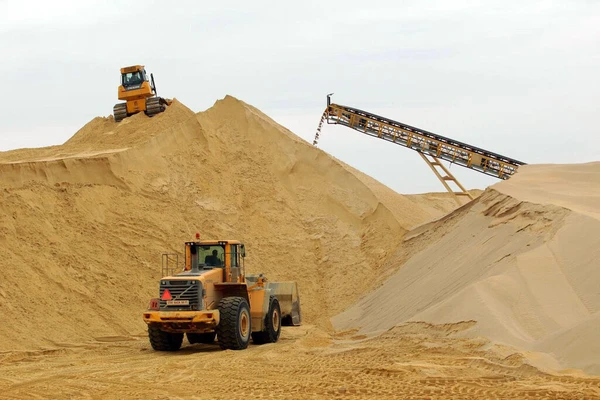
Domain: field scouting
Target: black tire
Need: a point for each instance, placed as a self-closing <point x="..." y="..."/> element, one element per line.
<point x="120" y="112"/>
<point x="164" y="341"/>
<point x="206" y="338"/>
<point x="272" y="324"/>
<point x="235" y="322"/>
<point x="155" y="105"/>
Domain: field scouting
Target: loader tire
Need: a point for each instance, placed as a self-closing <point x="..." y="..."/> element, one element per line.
<point x="272" y="324"/>
<point x="206" y="338"/>
<point x="234" y="326"/>
<point x="164" y="341"/>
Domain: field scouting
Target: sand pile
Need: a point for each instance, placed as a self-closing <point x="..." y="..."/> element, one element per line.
<point x="521" y="260"/>
<point x="83" y="225"/>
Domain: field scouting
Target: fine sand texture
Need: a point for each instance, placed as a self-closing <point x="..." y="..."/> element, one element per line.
<point x="492" y="304"/>
<point x="522" y="260"/>
<point x="84" y="224"/>
<point x="411" y="361"/>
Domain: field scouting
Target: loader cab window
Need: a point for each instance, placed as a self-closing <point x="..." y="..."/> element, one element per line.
<point x="211" y="256"/>
<point x="132" y="78"/>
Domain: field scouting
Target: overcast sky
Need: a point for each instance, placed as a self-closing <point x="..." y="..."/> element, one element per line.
<point x="519" y="78"/>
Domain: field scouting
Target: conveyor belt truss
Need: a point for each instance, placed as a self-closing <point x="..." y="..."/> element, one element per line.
<point x="431" y="146"/>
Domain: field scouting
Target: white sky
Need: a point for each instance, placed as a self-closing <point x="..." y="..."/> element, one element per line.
<point x="519" y="78"/>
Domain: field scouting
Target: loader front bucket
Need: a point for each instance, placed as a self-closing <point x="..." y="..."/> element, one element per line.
<point x="289" y="302"/>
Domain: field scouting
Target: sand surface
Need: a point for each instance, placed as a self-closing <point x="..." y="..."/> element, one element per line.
<point x="412" y="361"/>
<point x="83" y="226"/>
<point x="521" y="260"/>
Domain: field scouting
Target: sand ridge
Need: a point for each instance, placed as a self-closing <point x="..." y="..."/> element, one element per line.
<point x="521" y="260"/>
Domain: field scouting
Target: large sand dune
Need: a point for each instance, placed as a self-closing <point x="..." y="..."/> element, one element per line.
<point x="521" y="261"/>
<point x="83" y="225"/>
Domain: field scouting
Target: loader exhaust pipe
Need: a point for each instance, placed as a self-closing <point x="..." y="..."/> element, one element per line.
<point x="194" y="257"/>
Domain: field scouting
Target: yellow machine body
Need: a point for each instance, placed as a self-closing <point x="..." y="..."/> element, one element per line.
<point x="213" y="271"/>
<point x="138" y="90"/>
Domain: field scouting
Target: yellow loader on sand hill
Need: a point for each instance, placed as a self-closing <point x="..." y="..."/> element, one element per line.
<point x="140" y="94"/>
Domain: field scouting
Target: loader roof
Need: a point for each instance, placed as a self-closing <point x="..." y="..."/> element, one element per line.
<point x="215" y="242"/>
<point x="132" y="68"/>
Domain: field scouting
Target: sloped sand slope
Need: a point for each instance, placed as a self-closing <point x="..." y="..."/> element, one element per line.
<point x="521" y="260"/>
<point x="83" y="225"/>
<point x="440" y="204"/>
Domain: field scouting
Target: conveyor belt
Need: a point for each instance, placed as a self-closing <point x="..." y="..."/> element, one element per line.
<point x="444" y="148"/>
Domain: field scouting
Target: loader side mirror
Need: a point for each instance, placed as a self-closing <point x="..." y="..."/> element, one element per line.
<point x="243" y="251"/>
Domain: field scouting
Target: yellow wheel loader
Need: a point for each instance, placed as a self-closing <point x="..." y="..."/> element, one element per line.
<point x="212" y="297"/>
<point x="140" y="94"/>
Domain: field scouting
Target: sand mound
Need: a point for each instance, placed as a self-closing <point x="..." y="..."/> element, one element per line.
<point x="521" y="260"/>
<point x="439" y="204"/>
<point x="575" y="187"/>
<point x="83" y="225"/>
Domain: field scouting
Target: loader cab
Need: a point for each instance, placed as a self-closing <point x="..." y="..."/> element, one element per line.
<point x="133" y="77"/>
<point x="207" y="255"/>
<point x="211" y="256"/>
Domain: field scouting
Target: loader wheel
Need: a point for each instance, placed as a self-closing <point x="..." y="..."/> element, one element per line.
<point x="164" y="341"/>
<point x="234" y="327"/>
<point x="206" y="338"/>
<point x="272" y="324"/>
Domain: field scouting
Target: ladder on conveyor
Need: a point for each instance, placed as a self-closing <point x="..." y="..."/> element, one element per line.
<point x="431" y="147"/>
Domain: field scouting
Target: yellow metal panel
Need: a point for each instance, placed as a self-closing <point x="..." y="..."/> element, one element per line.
<point x="143" y="92"/>
<point x="211" y="296"/>
<point x="135" y="106"/>
<point x="216" y="242"/>
<point x="133" y="68"/>
<point x="183" y="321"/>
<point x="210" y="317"/>
<point x="188" y="258"/>
<point x="259" y="306"/>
